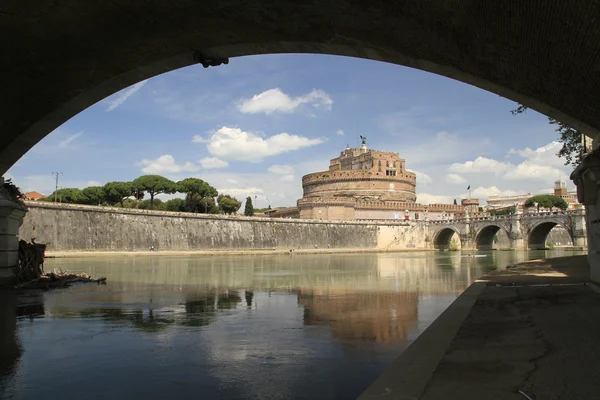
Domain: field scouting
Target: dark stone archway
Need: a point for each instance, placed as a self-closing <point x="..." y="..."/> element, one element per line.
<point x="485" y="237"/>
<point x="61" y="57"/>
<point x="443" y="238"/>
<point x="539" y="234"/>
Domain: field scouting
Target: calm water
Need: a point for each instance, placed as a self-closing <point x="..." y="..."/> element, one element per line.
<point x="228" y="327"/>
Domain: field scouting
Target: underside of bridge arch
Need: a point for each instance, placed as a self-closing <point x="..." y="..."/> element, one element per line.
<point x="68" y="55"/>
<point x="487" y="237"/>
<point x="443" y="240"/>
<point x="539" y="234"/>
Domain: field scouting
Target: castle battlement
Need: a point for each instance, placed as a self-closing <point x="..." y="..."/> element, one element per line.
<point x="364" y="183"/>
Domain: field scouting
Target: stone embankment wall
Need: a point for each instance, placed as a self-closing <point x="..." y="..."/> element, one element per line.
<point x="67" y="227"/>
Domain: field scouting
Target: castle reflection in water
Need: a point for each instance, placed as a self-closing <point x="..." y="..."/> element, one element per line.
<point x="233" y="318"/>
<point x="375" y="297"/>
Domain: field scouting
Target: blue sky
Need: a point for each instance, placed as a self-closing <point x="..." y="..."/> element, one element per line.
<point x="255" y="126"/>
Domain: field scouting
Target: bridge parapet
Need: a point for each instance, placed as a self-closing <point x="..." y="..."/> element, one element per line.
<point x="524" y="230"/>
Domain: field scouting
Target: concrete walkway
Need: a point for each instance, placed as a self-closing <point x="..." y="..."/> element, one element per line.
<point x="532" y="331"/>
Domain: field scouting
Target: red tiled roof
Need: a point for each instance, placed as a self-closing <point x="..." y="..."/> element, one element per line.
<point x="34" y="195"/>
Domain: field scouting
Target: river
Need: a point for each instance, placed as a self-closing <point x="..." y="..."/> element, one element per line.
<point x="228" y="327"/>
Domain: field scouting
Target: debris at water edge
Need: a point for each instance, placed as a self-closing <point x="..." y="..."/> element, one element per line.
<point x="30" y="270"/>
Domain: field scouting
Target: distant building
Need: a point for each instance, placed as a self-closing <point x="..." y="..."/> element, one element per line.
<point x="366" y="184"/>
<point x="283" y="212"/>
<point x="560" y="190"/>
<point x="33" y="196"/>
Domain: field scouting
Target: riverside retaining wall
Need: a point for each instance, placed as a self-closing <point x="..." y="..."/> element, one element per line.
<point x="67" y="227"/>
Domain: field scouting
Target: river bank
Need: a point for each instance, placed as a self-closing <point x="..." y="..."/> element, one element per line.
<point x="524" y="332"/>
<point x="73" y="254"/>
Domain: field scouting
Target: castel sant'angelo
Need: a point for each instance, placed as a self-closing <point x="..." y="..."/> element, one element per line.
<point x="367" y="184"/>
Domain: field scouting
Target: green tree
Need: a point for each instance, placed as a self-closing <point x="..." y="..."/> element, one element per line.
<point x="546" y="201"/>
<point x="249" y="208"/>
<point x="198" y="193"/>
<point x="203" y="205"/>
<point x="93" y="195"/>
<point x="154" y="185"/>
<point x="157" y="204"/>
<point x="454" y="245"/>
<point x="117" y="192"/>
<point x="573" y="149"/>
<point x="128" y="203"/>
<point x="68" y="195"/>
<point x="196" y="186"/>
<point x="175" y="204"/>
<point x="504" y="211"/>
<point x="138" y="194"/>
<point x="228" y="204"/>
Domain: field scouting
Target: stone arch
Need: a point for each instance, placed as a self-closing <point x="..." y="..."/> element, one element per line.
<point x="484" y="238"/>
<point x="538" y="233"/>
<point x="52" y="74"/>
<point x="443" y="237"/>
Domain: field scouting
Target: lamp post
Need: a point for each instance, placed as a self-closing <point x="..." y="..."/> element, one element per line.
<point x="56" y="187"/>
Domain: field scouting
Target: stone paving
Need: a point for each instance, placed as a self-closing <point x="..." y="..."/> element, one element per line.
<point x="532" y="332"/>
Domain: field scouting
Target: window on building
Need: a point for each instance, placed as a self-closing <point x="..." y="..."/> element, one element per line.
<point x="379" y="165"/>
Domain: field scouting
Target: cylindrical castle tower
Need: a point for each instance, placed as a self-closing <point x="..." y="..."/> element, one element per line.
<point x="358" y="175"/>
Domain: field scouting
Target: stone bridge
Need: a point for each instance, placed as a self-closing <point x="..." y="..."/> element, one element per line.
<point x="524" y="230"/>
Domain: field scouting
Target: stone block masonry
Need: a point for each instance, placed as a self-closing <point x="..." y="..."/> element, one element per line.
<point x="67" y="227"/>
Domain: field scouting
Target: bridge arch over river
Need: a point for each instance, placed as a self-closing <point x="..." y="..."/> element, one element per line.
<point x="537" y="231"/>
<point x="524" y="230"/>
<point x="442" y="238"/>
<point x="487" y="234"/>
<point x="71" y="54"/>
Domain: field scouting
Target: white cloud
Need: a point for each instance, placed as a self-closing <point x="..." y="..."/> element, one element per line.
<point x="422" y="178"/>
<point x="426" y="198"/>
<point x="165" y="164"/>
<point x="274" y="100"/>
<point x="69" y="139"/>
<point x="528" y="171"/>
<point x="123" y="95"/>
<point x="485" y="192"/>
<point x="339" y="132"/>
<point x="545" y="155"/>
<point x="480" y="165"/>
<point x="199" y="139"/>
<point x="455" y="179"/>
<point x="540" y="164"/>
<point x="93" y="183"/>
<point x="287" y="178"/>
<point x="281" y="169"/>
<point x="235" y="144"/>
<point x="213" y="163"/>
